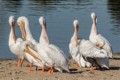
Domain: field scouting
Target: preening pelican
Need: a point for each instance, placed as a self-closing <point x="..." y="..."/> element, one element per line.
<point x="89" y="51"/>
<point x="23" y="23"/>
<point x="14" y="44"/>
<point x="51" y="54"/>
<point x="74" y="48"/>
<point x="17" y="46"/>
<point x="98" y="39"/>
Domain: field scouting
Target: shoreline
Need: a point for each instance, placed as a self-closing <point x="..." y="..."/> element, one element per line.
<point x="69" y="57"/>
<point x="9" y="71"/>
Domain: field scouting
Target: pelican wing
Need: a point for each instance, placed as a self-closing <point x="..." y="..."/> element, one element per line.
<point x="88" y="49"/>
<point x="98" y="41"/>
<point x="60" y="60"/>
<point x="55" y="51"/>
<point x="107" y="46"/>
<point x="103" y="62"/>
<point x="104" y="39"/>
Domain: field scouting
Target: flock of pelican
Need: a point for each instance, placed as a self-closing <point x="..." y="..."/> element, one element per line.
<point x="87" y="53"/>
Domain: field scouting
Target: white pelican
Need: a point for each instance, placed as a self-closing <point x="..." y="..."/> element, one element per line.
<point x="23" y="22"/>
<point x="98" y="39"/>
<point x="74" y="49"/>
<point x="51" y="54"/>
<point x="14" y="43"/>
<point x="18" y="46"/>
<point x="88" y="51"/>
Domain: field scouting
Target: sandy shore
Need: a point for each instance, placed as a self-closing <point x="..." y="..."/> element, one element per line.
<point x="9" y="71"/>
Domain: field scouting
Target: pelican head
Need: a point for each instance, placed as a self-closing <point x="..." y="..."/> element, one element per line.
<point x="76" y="23"/>
<point x="42" y="21"/>
<point x="21" y="23"/>
<point x="12" y="20"/>
<point x="93" y="16"/>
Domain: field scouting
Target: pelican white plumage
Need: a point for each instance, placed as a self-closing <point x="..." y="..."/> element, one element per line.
<point x="23" y="23"/>
<point x="89" y="51"/>
<point x="51" y="54"/>
<point x="74" y="49"/>
<point x="98" y="39"/>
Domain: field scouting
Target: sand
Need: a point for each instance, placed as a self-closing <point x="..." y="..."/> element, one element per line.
<point x="9" y="71"/>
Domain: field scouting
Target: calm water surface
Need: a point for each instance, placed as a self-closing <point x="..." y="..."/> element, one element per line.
<point x="59" y="15"/>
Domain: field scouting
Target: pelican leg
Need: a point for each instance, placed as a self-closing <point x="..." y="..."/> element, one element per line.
<point x="30" y="67"/>
<point x="19" y="63"/>
<point x="51" y="70"/>
<point x="77" y="66"/>
<point x="43" y="68"/>
<point x="91" y="69"/>
<point x="36" y="68"/>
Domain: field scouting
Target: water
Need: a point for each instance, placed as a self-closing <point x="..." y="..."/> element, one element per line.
<point x="59" y="15"/>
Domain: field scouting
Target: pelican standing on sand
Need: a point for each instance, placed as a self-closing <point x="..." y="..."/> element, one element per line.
<point x="14" y="44"/>
<point x="23" y="23"/>
<point x="51" y="54"/>
<point x="98" y="39"/>
<point x="17" y="46"/>
<point x="74" y="49"/>
<point x="89" y="51"/>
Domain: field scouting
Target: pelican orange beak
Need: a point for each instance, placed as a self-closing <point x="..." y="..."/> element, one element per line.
<point x="22" y="29"/>
<point x="29" y="51"/>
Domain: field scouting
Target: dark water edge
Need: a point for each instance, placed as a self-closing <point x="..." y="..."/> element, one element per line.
<point x="116" y="54"/>
<point x="69" y="57"/>
<point x="2" y="59"/>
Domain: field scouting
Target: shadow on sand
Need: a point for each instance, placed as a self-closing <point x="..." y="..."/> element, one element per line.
<point x="115" y="58"/>
<point x="74" y="71"/>
<point x="114" y="68"/>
